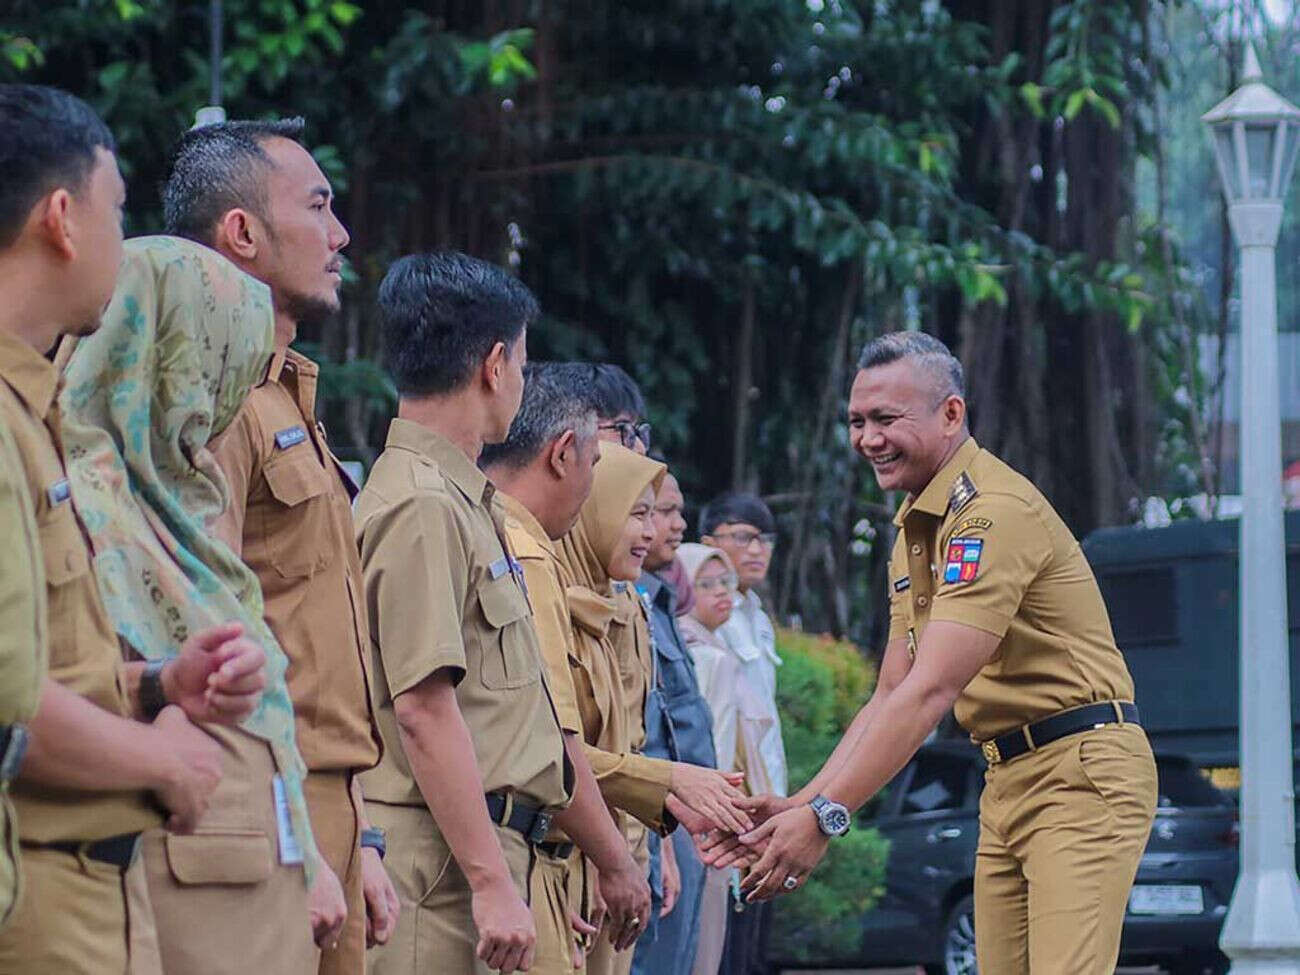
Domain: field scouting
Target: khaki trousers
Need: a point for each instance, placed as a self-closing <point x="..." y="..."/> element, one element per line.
<point x="603" y="959"/>
<point x="338" y="837"/>
<point x="555" y="888"/>
<point x="436" y="931"/>
<point x="1061" y="832"/>
<point x="222" y="900"/>
<point x="71" y="918"/>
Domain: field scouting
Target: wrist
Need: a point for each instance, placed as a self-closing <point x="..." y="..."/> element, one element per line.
<point x="152" y="690"/>
<point x="487" y="880"/>
<point x="167" y="681"/>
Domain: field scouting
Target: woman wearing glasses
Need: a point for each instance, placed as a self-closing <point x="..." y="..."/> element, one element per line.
<point x="740" y="721"/>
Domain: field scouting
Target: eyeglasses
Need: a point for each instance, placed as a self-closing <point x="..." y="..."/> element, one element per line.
<point x="716" y="583"/>
<point x="629" y="432"/>
<point x="745" y="539"/>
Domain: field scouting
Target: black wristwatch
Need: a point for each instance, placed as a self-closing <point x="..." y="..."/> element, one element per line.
<point x="373" y="837"/>
<point x="833" y="818"/>
<point x="152" y="698"/>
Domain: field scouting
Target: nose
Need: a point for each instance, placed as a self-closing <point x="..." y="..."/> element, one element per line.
<point x="339" y="236"/>
<point x="678" y="523"/>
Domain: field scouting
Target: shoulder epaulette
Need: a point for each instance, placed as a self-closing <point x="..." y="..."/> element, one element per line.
<point x="963" y="493"/>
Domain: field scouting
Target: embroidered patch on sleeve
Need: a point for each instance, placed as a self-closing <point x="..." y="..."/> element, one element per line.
<point x="963" y="562"/>
<point x="974" y="525"/>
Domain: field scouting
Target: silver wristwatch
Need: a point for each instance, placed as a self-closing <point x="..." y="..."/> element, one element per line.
<point x="832" y="817"/>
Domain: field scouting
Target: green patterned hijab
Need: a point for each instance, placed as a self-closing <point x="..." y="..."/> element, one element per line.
<point x="185" y="338"/>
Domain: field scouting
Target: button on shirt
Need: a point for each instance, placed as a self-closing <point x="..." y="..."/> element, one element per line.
<point x="290" y="518"/>
<point x="994" y="555"/>
<point x="748" y="633"/>
<point x="441" y="592"/>
<point x="84" y="654"/>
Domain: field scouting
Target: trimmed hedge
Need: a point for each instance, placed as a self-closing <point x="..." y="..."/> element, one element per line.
<point x="820" y="687"/>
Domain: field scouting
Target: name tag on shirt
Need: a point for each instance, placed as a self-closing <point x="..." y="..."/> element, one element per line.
<point x="290" y="437"/>
<point x="499" y="568"/>
<point x="58" y="492"/>
<point x="290" y="851"/>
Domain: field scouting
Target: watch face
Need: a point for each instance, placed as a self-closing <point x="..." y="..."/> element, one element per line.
<point x="835" y="819"/>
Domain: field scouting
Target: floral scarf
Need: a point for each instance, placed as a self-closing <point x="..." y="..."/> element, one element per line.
<point x="184" y="339"/>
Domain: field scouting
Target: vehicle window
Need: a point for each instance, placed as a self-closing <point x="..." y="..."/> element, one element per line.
<point x="1182" y="785"/>
<point x="1143" y="606"/>
<point x="939" y="783"/>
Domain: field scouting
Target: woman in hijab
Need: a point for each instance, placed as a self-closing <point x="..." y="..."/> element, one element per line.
<point x="599" y="558"/>
<point x="739" y="718"/>
<point x="183" y="340"/>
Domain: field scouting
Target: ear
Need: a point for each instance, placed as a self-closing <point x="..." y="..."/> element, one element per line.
<point x="954" y="414"/>
<point x="54" y="222"/>
<point x="493" y="366"/>
<point x="563" y="449"/>
<point x="239" y="236"/>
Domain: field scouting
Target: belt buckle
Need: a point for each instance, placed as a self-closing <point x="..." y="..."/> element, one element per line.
<point x="15" y="748"/>
<point x="991" y="753"/>
<point x="541" y="826"/>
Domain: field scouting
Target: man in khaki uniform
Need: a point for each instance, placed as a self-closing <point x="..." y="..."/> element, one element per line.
<point x="290" y="515"/>
<point x="474" y="764"/>
<point x="994" y="609"/>
<point x="544" y="470"/>
<point x="92" y="778"/>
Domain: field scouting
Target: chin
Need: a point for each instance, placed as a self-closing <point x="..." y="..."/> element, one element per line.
<point x="88" y="326"/>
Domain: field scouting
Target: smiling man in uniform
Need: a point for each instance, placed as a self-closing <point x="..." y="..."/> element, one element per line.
<point x="994" y="609"/>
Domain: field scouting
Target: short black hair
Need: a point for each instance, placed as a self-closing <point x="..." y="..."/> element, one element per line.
<point x="218" y="168"/>
<point x="932" y="355"/>
<point x="736" y="508"/>
<point x="48" y="140"/>
<point x="441" y="316"/>
<point x="614" y="393"/>
<point x="555" y="399"/>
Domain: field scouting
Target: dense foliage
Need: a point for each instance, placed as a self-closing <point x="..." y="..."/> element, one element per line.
<point x="822" y="683"/>
<point x="729" y="197"/>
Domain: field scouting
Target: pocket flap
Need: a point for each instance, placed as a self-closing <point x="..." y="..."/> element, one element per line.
<point x="295" y="480"/>
<point x="502" y="601"/>
<point x="62" y="547"/>
<point x="227" y="857"/>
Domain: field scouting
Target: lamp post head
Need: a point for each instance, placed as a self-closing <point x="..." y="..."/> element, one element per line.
<point x="1255" y="133"/>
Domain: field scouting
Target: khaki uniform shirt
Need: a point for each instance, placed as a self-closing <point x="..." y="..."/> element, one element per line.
<point x="24" y="649"/>
<point x="441" y="592"/>
<point x="290" y="512"/>
<point x="84" y="654"/>
<point x="981" y="546"/>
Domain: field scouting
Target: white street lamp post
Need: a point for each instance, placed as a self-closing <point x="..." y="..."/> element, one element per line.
<point x="1256" y="133"/>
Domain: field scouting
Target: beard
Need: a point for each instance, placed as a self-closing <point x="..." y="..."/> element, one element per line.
<point x="309" y="310"/>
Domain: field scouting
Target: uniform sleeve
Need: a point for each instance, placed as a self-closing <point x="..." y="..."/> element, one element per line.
<point x="416" y="569"/>
<point x="897" y="573"/>
<point x="551" y="618"/>
<point x="633" y="783"/>
<point x="22" y="594"/>
<point x="986" y="562"/>
<point x="238" y="452"/>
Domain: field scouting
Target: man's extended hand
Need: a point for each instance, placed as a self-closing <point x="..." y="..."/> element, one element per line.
<point x="795" y="845"/>
<point x="672" y="876"/>
<point x="218" y="677"/>
<point x="717" y="847"/>
<point x="382" y="905"/>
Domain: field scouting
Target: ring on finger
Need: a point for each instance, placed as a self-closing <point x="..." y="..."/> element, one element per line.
<point x="790" y="882"/>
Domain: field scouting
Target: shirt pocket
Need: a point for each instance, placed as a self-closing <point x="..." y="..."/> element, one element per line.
<point x="296" y="527"/>
<point x="508" y="648"/>
<point x="67" y="564"/>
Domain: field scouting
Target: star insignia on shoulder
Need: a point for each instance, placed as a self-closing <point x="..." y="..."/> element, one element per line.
<point x="963" y="493"/>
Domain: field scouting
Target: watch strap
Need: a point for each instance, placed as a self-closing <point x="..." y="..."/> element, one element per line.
<point x="374" y="838"/>
<point x="152" y="698"/>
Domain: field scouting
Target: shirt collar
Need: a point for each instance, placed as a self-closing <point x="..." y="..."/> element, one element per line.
<point x="451" y="460"/>
<point x="935" y="498"/>
<point x="516" y="510"/>
<point x="657" y="591"/>
<point x="298" y="361"/>
<point x="32" y="376"/>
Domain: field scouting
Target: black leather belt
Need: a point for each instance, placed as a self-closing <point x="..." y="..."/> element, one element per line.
<point x="13" y="745"/>
<point x="1033" y="736"/>
<point x="532" y="822"/>
<point x="117" y="851"/>
<point x="556" y="851"/>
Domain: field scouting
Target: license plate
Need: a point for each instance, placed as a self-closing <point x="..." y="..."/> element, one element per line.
<point x="1166" y="899"/>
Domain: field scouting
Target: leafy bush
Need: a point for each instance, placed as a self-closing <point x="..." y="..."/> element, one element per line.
<point x="820" y="688"/>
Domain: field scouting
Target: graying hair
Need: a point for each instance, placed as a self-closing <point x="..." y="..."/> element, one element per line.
<point x="555" y="400"/>
<point x="931" y="355"/>
<point x="218" y="168"/>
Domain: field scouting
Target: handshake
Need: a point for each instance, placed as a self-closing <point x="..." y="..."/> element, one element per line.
<point x="755" y="833"/>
